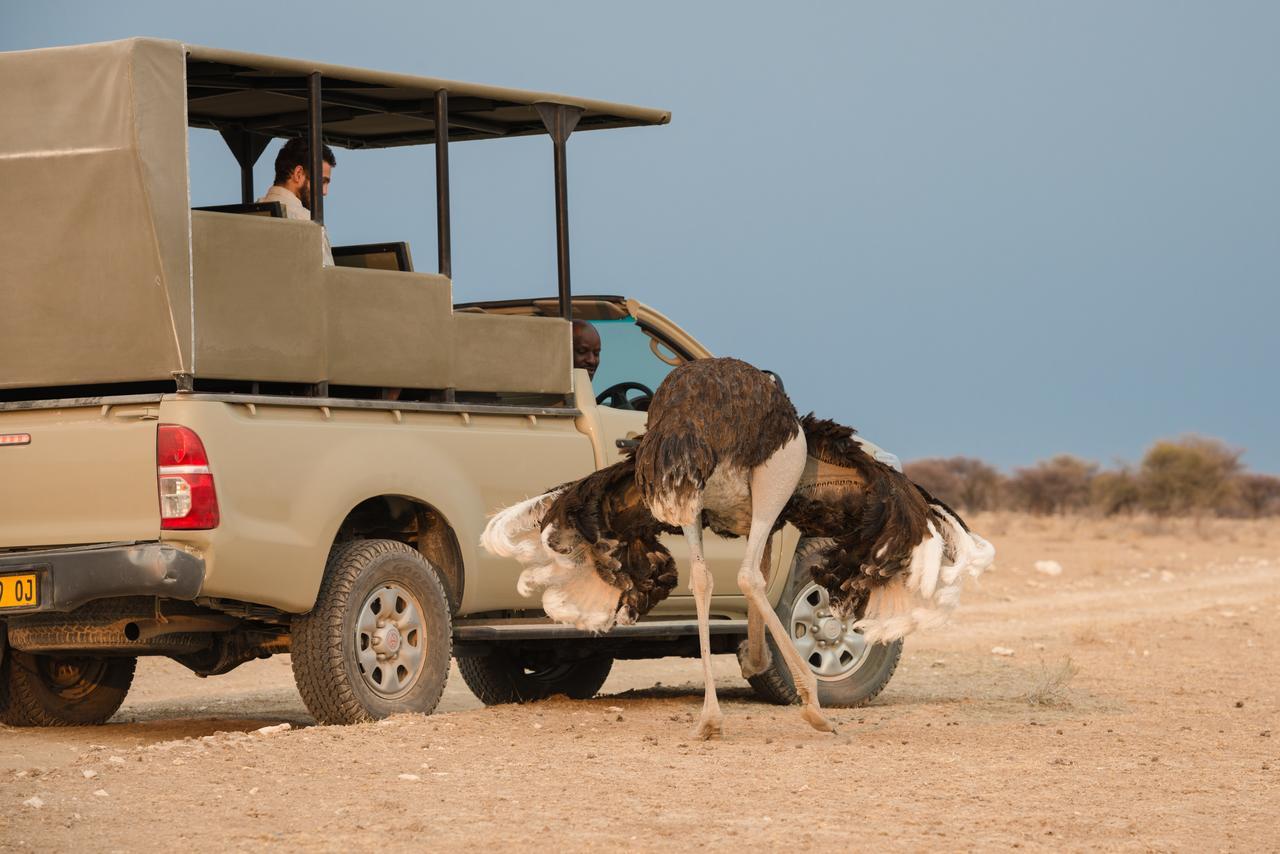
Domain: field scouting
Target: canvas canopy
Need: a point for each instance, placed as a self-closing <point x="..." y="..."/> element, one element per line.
<point x="109" y="277"/>
<point x="373" y="109"/>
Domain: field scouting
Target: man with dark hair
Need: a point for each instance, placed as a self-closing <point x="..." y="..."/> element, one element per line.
<point x="293" y="183"/>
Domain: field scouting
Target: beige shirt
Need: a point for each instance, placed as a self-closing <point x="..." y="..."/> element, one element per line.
<point x="295" y="209"/>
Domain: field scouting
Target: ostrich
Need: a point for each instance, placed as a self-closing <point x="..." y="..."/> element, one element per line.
<point x="725" y="449"/>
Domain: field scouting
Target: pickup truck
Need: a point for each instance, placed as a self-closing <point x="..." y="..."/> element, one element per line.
<point x="215" y="447"/>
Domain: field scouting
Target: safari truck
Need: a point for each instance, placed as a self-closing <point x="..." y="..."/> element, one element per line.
<point x="216" y="447"/>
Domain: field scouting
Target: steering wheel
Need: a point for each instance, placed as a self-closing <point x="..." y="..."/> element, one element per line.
<point x="615" y="396"/>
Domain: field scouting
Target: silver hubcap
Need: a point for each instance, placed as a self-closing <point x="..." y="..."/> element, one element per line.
<point x="390" y="641"/>
<point x="829" y="644"/>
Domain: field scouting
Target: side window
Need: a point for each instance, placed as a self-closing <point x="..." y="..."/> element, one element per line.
<point x="628" y="354"/>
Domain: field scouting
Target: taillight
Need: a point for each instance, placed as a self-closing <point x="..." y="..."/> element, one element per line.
<point x="187" y="498"/>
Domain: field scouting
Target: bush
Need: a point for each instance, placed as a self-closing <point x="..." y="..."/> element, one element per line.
<point x="966" y="484"/>
<point x="1112" y="492"/>
<point x="1059" y="485"/>
<point x="1258" y="494"/>
<point x="1191" y="475"/>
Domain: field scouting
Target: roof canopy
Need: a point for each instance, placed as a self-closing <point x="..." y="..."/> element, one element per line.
<point x="229" y="90"/>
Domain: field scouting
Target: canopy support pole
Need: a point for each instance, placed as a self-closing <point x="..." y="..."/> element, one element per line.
<point x="246" y="146"/>
<point x="443" y="248"/>
<point x="315" y="141"/>
<point x="560" y="120"/>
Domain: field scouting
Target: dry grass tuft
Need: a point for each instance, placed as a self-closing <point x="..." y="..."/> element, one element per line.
<point x="1087" y="635"/>
<point x="1051" y="687"/>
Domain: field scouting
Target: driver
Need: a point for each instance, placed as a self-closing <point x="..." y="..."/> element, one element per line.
<point x="586" y="347"/>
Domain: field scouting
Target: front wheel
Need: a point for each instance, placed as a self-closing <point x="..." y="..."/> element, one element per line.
<point x="62" y="689"/>
<point x="378" y="641"/>
<point x="505" y="676"/>
<point x="849" y="670"/>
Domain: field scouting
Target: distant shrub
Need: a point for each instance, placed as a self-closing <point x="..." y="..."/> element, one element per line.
<point x="1191" y="475"/>
<point x="1258" y="495"/>
<point x="1112" y="492"/>
<point x="964" y="483"/>
<point x="1058" y="485"/>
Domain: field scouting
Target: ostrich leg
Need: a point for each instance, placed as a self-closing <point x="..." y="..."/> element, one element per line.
<point x="772" y="483"/>
<point x="753" y="654"/>
<point x="710" y="722"/>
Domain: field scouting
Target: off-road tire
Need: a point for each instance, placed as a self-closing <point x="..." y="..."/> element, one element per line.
<point x="501" y="677"/>
<point x="775" y="685"/>
<point x="325" y="664"/>
<point x="62" y="690"/>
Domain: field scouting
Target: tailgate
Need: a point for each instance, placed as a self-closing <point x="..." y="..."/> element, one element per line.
<point x="87" y="475"/>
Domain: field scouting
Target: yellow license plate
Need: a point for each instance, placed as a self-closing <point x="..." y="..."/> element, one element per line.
<point x="19" y="591"/>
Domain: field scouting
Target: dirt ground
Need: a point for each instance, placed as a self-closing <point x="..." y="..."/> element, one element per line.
<point x="1136" y="711"/>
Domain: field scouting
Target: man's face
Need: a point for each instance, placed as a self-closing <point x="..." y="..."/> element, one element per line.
<point x="304" y="191"/>
<point x="586" y="347"/>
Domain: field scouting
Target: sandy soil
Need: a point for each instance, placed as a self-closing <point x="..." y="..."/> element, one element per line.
<point x="1137" y="711"/>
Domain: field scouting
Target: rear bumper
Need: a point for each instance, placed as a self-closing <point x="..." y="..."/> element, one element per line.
<point x="69" y="577"/>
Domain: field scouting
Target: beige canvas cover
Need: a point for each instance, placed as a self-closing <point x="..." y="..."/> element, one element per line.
<point x="94" y="251"/>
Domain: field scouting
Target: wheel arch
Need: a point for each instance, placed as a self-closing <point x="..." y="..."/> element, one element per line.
<point x="416" y="523"/>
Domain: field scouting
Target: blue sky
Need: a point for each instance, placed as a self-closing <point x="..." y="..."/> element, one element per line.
<point x="1003" y="230"/>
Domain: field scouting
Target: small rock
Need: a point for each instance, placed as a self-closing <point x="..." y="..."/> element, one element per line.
<point x="614" y="709"/>
<point x="410" y="777"/>
<point x="1239" y="704"/>
<point x="101" y="793"/>
<point x="618" y="718"/>
<point x="254" y="790"/>
<point x="1166" y="576"/>
<point x="1001" y="650"/>
<point x="537" y="725"/>
<point x="33" y="802"/>
<point x="1048" y="567"/>
<point x="272" y="730"/>
<point x="89" y="773"/>
<point x="116" y="760"/>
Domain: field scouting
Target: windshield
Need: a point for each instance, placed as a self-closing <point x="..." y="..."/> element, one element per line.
<point x="628" y="354"/>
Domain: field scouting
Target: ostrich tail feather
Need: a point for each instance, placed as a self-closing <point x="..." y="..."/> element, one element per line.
<point x="572" y="591"/>
<point x="516" y="531"/>
<point x="925" y="596"/>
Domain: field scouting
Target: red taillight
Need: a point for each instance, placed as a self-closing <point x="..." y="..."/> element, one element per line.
<point x="187" y="497"/>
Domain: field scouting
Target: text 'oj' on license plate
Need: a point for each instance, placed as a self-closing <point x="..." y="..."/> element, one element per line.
<point x="19" y="591"/>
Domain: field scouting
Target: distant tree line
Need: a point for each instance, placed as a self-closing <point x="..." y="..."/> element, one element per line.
<point x="1190" y="476"/>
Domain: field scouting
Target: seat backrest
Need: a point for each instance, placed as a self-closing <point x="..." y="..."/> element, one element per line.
<point x="375" y="256"/>
<point x="273" y="209"/>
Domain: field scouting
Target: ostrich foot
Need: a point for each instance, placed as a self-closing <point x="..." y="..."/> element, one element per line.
<point x="751" y="668"/>
<point x="814" y="718"/>
<point x="709" y="726"/>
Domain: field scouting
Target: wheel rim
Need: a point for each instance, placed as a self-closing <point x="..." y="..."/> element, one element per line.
<point x="828" y="643"/>
<point x="390" y="641"/>
<point x="71" y="678"/>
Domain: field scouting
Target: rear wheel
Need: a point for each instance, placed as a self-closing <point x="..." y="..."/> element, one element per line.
<point x="505" y="676"/>
<point x="850" y="672"/>
<point x="62" y="689"/>
<point x="379" y="639"/>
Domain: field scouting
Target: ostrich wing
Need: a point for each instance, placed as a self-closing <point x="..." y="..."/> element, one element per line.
<point x="886" y="546"/>
<point x="590" y="547"/>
